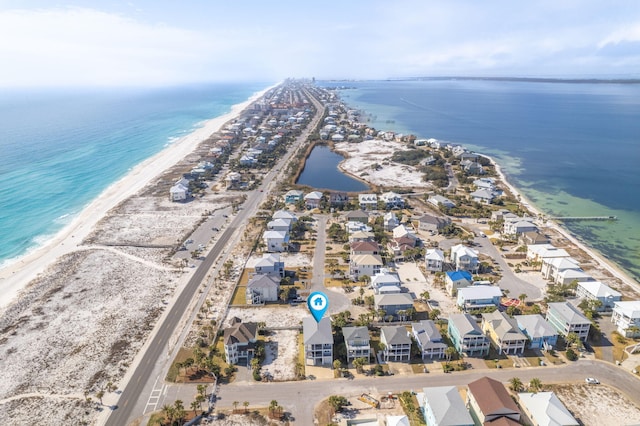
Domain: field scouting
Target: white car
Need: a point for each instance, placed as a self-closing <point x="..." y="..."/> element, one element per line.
<point x="592" y="381"/>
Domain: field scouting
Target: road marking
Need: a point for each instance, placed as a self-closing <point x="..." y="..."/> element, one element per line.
<point x="154" y="397"/>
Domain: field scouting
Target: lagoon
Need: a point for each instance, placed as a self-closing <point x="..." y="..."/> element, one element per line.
<point x="321" y="172"/>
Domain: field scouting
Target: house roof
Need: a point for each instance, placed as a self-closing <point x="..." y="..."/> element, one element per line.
<point x="436" y="254"/>
<point x="567" y="312"/>
<point x="268" y="260"/>
<point x="398" y="421"/>
<point x="535" y="325"/>
<point x="396" y="299"/>
<point x="313" y="195"/>
<point x="366" y="259"/>
<point x="316" y="333"/>
<point x="465" y="324"/>
<point x="365" y="246"/>
<point x="599" y="290"/>
<point x="629" y="309"/>
<point x="385" y="277"/>
<point x="403" y="231"/>
<point x="240" y="332"/>
<point x="561" y="263"/>
<point x="284" y="214"/>
<point x="351" y="333"/>
<point x="264" y="281"/>
<point x="459" y="275"/>
<point x="479" y="292"/>
<point x="395" y="335"/>
<point x="484" y="194"/>
<point x="433" y="220"/>
<point x="447" y="406"/>
<point x="357" y="214"/>
<point x="461" y="250"/>
<point x="427" y="334"/>
<point x="493" y="399"/>
<point x="546" y="409"/>
<point x="278" y="223"/>
<point x="504" y="327"/>
<point x="279" y="235"/>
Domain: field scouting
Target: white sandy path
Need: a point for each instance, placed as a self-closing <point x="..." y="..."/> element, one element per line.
<point x="17" y="275"/>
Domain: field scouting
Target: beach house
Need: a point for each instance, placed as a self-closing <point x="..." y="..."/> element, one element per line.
<point x="270" y="264"/>
<point x="293" y="196"/>
<point x="317" y="341"/>
<point x="433" y="224"/>
<point x="434" y="260"/>
<point x="443" y="406"/>
<point x="397" y="343"/>
<point x="364" y="264"/>
<point x="540" y="333"/>
<point x="275" y="241"/>
<point x="566" y="318"/>
<point x="553" y="267"/>
<point x="455" y="280"/>
<point x="626" y="316"/>
<point x="312" y="200"/>
<point x="262" y="288"/>
<point x="393" y="303"/>
<point x="357" y="342"/>
<point x="491" y="403"/>
<point x="466" y="335"/>
<point x="504" y="333"/>
<point x="595" y="290"/>
<point x="392" y="200"/>
<point x="440" y="201"/>
<point x="239" y="341"/>
<point x="390" y="221"/>
<point x="357" y="216"/>
<point x="464" y="258"/>
<point x="478" y="297"/>
<point x="180" y="190"/>
<point x="545" y="409"/>
<point x="428" y="339"/>
<point x="368" y="201"/>
<point x="285" y="215"/>
<point x="386" y="282"/>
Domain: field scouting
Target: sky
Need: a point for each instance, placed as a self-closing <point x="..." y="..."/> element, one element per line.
<point x="160" y="42"/>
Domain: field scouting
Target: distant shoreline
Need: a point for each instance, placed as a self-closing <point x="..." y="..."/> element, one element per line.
<point x="19" y="273"/>
<point x="514" y="79"/>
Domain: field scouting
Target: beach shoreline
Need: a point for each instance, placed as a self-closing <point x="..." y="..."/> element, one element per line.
<point x="17" y="275"/>
<point x="598" y="257"/>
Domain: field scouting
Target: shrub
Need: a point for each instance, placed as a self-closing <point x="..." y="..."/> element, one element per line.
<point x="571" y="355"/>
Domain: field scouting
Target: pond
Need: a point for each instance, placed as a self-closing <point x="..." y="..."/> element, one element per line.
<point x="321" y="172"/>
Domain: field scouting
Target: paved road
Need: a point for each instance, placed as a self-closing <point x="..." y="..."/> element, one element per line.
<point x="338" y="302"/>
<point x="130" y="402"/>
<point x="153" y="365"/>
<point x="300" y="398"/>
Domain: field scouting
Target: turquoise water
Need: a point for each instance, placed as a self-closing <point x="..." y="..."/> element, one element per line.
<point x="59" y="149"/>
<point x="572" y="149"/>
<point x="321" y="171"/>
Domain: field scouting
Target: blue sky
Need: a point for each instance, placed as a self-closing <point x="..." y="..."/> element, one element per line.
<point x="172" y="42"/>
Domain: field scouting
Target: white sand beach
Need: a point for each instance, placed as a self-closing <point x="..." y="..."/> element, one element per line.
<point x="14" y="277"/>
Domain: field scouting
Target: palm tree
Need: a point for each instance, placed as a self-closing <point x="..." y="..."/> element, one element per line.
<point x="202" y="390"/>
<point x="515" y="384"/>
<point x="169" y="412"/>
<point x="235" y="405"/>
<point x="450" y="352"/>
<point x="194" y="407"/>
<point x="522" y="297"/>
<point x="434" y="314"/>
<point x="100" y="395"/>
<point x="273" y="406"/>
<point x="535" y="385"/>
<point x="245" y="404"/>
<point x="425" y="296"/>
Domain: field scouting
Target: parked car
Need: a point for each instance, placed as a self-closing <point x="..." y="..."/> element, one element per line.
<point x="592" y="381"/>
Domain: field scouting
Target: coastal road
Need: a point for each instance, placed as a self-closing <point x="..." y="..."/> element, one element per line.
<point x="152" y="365"/>
<point x="300" y="398"/>
<point x="130" y="403"/>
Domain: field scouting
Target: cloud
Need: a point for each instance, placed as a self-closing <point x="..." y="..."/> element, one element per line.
<point x="158" y="44"/>
<point x="85" y="46"/>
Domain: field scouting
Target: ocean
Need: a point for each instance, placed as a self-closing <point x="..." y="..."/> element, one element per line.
<point x="573" y="149"/>
<point x="60" y="148"/>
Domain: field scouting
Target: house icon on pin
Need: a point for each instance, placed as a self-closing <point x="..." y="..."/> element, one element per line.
<point x="318" y="301"/>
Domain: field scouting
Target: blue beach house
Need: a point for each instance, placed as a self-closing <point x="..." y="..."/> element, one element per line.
<point x="457" y="279"/>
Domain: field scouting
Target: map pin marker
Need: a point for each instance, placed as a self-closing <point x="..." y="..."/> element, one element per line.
<point x="317" y="302"/>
